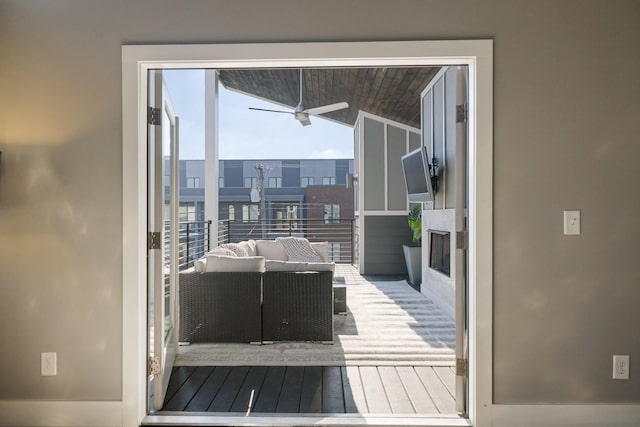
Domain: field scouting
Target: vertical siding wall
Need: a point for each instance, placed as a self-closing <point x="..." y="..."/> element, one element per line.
<point x="382" y="194"/>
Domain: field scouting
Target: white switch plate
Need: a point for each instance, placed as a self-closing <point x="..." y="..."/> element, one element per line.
<point x="620" y="367"/>
<point x="48" y="364"/>
<point x="572" y="222"/>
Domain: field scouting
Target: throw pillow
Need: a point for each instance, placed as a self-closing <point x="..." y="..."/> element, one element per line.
<point x="322" y="249"/>
<point x="249" y="246"/>
<point x="200" y="265"/>
<point x="271" y="249"/>
<point x="299" y="249"/>
<point x="222" y="251"/>
<point x="236" y="248"/>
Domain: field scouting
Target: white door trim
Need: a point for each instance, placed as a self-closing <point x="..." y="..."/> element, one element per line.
<point x="137" y="60"/>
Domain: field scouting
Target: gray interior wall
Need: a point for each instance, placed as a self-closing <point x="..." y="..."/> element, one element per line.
<point x="565" y="136"/>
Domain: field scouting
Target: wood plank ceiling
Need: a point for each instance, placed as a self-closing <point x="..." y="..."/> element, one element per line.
<point x="392" y="93"/>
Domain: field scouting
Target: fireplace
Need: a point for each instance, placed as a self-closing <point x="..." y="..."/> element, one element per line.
<point x="439" y="251"/>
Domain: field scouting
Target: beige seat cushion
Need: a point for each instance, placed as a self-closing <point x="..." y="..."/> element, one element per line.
<point x="223" y="263"/>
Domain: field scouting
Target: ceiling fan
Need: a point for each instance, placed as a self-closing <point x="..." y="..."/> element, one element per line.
<point x="301" y="114"/>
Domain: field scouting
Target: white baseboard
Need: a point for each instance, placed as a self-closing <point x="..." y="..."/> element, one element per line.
<point x="35" y="413"/>
<point x="595" y="415"/>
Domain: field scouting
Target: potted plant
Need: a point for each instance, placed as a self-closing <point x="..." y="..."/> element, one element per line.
<point x="413" y="254"/>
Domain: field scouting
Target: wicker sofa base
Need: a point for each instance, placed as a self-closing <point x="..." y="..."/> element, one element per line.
<point x="221" y="307"/>
<point x="253" y="307"/>
<point x="297" y="306"/>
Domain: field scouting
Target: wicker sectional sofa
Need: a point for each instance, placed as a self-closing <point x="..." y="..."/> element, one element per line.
<point x="260" y="295"/>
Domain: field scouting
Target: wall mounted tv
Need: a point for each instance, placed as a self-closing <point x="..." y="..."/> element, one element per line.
<point x="417" y="175"/>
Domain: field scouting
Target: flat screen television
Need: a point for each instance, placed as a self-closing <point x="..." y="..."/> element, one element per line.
<point x="417" y="176"/>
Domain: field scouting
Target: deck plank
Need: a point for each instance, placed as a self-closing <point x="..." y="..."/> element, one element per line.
<point x="270" y="391"/>
<point x="229" y="390"/>
<point x="396" y="393"/>
<point x="420" y="399"/>
<point x="374" y="390"/>
<point x="249" y="390"/>
<point x="437" y="390"/>
<point x="180" y="400"/>
<point x="289" y="401"/>
<point x="447" y="377"/>
<point x="313" y="389"/>
<point x="332" y="391"/>
<point x="354" y="400"/>
<point x="179" y="375"/>
<point x="209" y="389"/>
<point x="311" y="395"/>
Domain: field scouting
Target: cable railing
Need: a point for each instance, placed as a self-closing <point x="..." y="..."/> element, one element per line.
<point x="194" y="240"/>
<point x="194" y="237"/>
<point x="337" y="232"/>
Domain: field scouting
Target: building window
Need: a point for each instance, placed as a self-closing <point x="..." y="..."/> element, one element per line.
<point x="328" y="180"/>
<point x="186" y="213"/>
<point x="232" y="213"/>
<point x="250" y="213"/>
<point x="274" y="182"/>
<point x="334" y="251"/>
<point x="331" y="213"/>
<point x="306" y="180"/>
<point x="221" y="182"/>
<point x="250" y="182"/>
<point x="193" y="182"/>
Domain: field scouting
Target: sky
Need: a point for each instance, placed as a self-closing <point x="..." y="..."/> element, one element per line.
<point x="248" y="134"/>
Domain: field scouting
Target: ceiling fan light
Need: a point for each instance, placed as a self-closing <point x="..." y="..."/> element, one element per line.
<point x="303" y="118"/>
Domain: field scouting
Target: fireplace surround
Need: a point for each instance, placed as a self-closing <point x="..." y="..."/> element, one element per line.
<point x="440" y="251"/>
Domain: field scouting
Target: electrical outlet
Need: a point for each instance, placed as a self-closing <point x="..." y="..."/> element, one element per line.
<point x="48" y="364"/>
<point x="620" y="367"/>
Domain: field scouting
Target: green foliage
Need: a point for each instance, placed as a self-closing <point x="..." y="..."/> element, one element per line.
<point x="415" y="222"/>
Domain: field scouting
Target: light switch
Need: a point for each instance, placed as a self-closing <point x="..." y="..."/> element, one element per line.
<point x="572" y="222"/>
<point x="48" y="364"/>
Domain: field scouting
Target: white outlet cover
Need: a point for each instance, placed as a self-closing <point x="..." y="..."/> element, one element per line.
<point x="620" y="367"/>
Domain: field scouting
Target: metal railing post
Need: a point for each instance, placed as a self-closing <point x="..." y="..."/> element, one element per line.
<point x="208" y="235"/>
<point x="188" y="246"/>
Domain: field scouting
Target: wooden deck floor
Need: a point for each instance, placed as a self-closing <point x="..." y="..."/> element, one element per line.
<point x="312" y="389"/>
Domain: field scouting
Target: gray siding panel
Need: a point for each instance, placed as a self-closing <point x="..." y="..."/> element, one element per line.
<point x="427" y="121"/>
<point x="384" y="237"/>
<point x="342" y="169"/>
<point x="291" y="173"/>
<point x="396" y="148"/>
<point x="450" y="132"/>
<point x="414" y="141"/>
<point x="373" y="186"/>
<point x="233" y="173"/>
<point x="438" y="132"/>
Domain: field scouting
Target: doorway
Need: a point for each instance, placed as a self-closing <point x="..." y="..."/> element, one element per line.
<point x="137" y="60"/>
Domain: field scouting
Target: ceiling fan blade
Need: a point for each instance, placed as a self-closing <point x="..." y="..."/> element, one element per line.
<point x="327" y="108"/>
<point x="271" y="111"/>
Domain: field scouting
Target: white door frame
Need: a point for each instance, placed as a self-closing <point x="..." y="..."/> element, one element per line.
<point x="477" y="54"/>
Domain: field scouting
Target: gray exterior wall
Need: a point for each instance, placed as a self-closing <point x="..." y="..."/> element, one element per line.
<point x="382" y="146"/>
<point x="373" y="187"/>
<point x="291" y="173"/>
<point x="565" y="136"/>
<point x="383" y="252"/>
<point x="234" y="171"/>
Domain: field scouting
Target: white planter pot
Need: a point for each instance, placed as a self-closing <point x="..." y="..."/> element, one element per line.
<point x="413" y="258"/>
